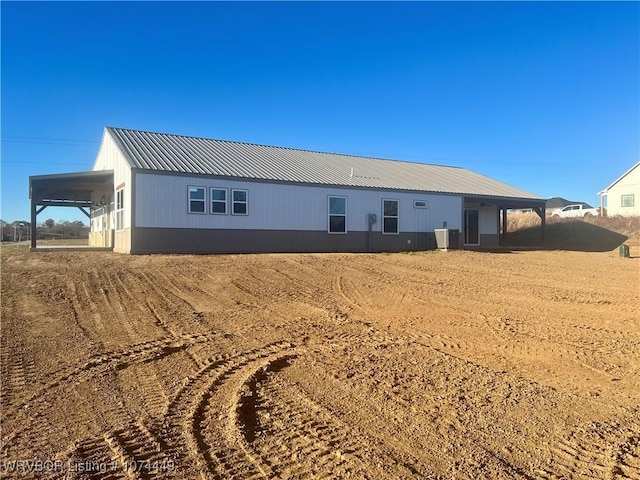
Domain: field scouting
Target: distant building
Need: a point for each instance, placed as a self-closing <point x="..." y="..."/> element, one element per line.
<point x="622" y="197"/>
<point x="159" y="193"/>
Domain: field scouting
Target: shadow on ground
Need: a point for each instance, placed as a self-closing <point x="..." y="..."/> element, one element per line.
<point x="576" y="235"/>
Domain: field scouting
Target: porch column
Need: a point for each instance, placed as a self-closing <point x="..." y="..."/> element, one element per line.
<point x="34" y="231"/>
<point x="504" y="225"/>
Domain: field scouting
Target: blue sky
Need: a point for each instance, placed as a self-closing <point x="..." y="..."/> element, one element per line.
<point x="544" y="96"/>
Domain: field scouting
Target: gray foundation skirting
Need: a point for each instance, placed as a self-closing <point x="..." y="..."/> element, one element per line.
<point x="181" y="240"/>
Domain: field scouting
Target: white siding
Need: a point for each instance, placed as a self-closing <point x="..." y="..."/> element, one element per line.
<point x="111" y="158"/>
<point x="161" y="201"/>
<point x="627" y="185"/>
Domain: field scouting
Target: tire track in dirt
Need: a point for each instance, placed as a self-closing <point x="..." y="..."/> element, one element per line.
<point x="302" y="280"/>
<point x="628" y="458"/>
<point x="94" y="459"/>
<point x="597" y="451"/>
<point x="102" y="315"/>
<point x="112" y="360"/>
<point x="87" y="319"/>
<point x="432" y="451"/>
<point x="182" y="287"/>
<point x="138" y="453"/>
<point x="6" y="394"/>
<point x="189" y="410"/>
<point x="170" y="309"/>
<point x="21" y="373"/>
<point x="153" y="394"/>
<point x="300" y="438"/>
<point x="347" y="290"/>
<point x="240" y="421"/>
<point x="597" y="356"/>
<point x="115" y="300"/>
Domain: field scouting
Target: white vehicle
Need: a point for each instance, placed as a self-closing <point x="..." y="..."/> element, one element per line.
<point x="576" y="210"/>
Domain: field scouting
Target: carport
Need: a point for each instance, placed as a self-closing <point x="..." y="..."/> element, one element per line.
<point x="75" y="190"/>
<point x="502" y="205"/>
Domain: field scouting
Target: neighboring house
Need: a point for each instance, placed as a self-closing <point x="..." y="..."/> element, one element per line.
<point x="622" y="197"/>
<point x="159" y="193"/>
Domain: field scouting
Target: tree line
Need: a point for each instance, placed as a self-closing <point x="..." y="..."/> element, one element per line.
<point x="49" y="229"/>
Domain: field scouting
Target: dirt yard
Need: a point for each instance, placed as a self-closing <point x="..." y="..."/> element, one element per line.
<point x="457" y="365"/>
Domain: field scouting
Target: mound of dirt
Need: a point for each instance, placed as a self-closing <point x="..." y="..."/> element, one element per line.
<point x="591" y="234"/>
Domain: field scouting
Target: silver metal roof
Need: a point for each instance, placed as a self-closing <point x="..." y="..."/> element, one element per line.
<point x="178" y="153"/>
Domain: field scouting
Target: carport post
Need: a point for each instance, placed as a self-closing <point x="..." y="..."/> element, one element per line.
<point x="542" y="213"/>
<point x="543" y="218"/>
<point x="504" y="225"/>
<point x="34" y="231"/>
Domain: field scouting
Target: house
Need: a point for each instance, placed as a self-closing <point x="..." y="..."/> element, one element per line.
<point x="160" y="193"/>
<point x="622" y="197"/>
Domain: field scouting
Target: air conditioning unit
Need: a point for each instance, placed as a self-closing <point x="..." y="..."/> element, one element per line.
<point x="442" y="238"/>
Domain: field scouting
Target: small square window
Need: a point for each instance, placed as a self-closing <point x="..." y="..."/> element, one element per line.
<point x="628" y="200"/>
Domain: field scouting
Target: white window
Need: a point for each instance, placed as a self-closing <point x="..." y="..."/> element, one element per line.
<point x="120" y="209"/>
<point x="219" y="201"/>
<point x="197" y="200"/>
<point x="419" y="204"/>
<point x="337" y="214"/>
<point x="627" y="200"/>
<point x="390" y="216"/>
<point x="240" y="202"/>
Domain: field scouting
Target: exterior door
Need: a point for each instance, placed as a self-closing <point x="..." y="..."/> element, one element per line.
<point x="471" y="227"/>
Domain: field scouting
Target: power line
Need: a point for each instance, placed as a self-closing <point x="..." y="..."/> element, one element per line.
<point x="46" y="140"/>
<point x="44" y="162"/>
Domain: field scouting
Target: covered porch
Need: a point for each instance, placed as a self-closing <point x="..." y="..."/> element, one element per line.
<point x="90" y="192"/>
<point x="485" y="220"/>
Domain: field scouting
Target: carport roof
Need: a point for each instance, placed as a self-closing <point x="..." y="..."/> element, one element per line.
<point x="73" y="187"/>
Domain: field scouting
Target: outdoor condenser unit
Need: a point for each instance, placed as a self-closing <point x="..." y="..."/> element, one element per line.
<point x="442" y="238"/>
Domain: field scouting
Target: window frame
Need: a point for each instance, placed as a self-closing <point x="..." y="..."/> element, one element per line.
<point x="225" y="202"/>
<point x="204" y="200"/>
<point x="329" y="215"/>
<point x="119" y="210"/>
<point x="234" y="202"/>
<point x="628" y="196"/>
<point x="397" y="216"/>
<point x="415" y="204"/>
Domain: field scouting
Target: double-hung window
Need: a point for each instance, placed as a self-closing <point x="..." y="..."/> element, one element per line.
<point x="337" y="214"/>
<point x="239" y="202"/>
<point x="120" y="209"/>
<point x="390" y="216"/>
<point x="219" y="201"/>
<point x="627" y="200"/>
<point x="197" y="201"/>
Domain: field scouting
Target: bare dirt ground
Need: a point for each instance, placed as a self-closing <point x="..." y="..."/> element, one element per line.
<point x="459" y="365"/>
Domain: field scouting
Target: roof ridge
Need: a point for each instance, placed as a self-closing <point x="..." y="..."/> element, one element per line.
<point x="287" y="148"/>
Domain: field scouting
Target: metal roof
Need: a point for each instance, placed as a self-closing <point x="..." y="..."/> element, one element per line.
<point x="192" y="155"/>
